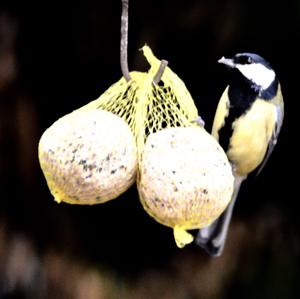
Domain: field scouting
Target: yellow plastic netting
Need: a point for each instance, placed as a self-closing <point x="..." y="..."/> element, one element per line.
<point x="149" y="107"/>
<point x="183" y="176"/>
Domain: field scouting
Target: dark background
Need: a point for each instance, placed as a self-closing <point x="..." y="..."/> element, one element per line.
<point x="56" y="56"/>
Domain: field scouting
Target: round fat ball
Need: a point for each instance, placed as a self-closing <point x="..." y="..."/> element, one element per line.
<point x="88" y="157"/>
<point x="185" y="179"/>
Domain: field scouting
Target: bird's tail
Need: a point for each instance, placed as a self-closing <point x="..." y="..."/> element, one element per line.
<point x="212" y="238"/>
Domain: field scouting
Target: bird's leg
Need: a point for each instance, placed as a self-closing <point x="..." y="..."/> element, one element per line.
<point x="198" y="120"/>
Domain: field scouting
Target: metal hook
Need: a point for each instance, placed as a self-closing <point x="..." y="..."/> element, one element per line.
<point x="161" y="69"/>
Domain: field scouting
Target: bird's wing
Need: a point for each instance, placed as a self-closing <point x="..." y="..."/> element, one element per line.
<point x="222" y="112"/>
<point x="274" y="137"/>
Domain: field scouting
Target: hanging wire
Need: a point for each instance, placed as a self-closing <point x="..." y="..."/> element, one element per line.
<point x="124" y="47"/>
<point x="124" y="41"/>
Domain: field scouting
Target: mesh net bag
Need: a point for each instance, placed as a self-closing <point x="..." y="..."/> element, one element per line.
<point x="149" y="107"/>
<point x="184" y="178"/>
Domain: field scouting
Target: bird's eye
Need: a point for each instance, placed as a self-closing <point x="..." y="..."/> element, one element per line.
<point x="243" y="59"/>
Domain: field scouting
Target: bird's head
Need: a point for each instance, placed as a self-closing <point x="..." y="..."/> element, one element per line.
<point x="253" y="67"/>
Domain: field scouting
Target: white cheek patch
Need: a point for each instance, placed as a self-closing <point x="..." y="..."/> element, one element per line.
<point x="257" y="73"/>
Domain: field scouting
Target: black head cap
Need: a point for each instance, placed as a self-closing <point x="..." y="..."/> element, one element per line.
<point x="249" y="58"/>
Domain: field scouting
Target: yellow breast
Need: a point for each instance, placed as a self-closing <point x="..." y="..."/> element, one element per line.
<point x="251" y="135"/>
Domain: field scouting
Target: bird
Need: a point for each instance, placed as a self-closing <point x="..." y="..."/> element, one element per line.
<point x="247" y="123"/>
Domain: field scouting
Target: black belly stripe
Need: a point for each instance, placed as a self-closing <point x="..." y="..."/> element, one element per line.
<point x="241" y="96"/>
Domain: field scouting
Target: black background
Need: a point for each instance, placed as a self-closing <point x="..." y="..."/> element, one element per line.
<point x="66" y="54"/>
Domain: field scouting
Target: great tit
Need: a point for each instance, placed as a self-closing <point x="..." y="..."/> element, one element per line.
<point x="247" y="123"/>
